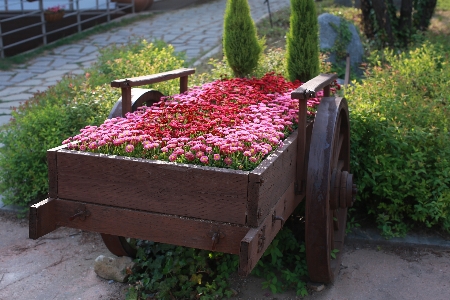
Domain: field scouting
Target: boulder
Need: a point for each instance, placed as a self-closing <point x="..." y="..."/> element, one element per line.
<point x="328" y="35"/>
<point x="113" y="268"/>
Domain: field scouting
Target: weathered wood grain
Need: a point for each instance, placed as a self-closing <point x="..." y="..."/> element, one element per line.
<point x="168" y="229"/>
<point x="258" y="239"/>
<point x="270" y="180"/>
<point x="53" y="171"/>
<point x="309" y="88"/>
<point x="178" y="189"/>
<point x="42" y="219"/>
<point x="149" y="79"/>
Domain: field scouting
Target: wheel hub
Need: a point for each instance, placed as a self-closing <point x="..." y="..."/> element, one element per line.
<point x="342" y="189"/>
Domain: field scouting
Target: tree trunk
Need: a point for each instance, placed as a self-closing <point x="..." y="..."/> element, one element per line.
<point x="384" y="19"/>
<point x="366" y="7"/>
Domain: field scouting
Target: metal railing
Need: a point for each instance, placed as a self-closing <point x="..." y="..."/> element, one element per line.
<point x="15" y="10"/>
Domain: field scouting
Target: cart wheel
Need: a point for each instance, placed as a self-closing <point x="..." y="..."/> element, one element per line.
<point x="119" y="245"/>
<point x="139" y="97"/>
<point x="330" y="190"/>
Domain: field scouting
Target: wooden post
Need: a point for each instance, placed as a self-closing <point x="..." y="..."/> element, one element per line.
<point x="126" y="100"/>
<point x="301" y="145"/>
<point x="183" y="84"/>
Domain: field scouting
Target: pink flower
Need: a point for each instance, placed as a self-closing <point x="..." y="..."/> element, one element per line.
<point x="173" y="157"/>
<point x="189" y="156"/>
<point x="228" y="161"/>
<point x="204" y="159"/>
<point x="93" y="145"/>
<point x="216" y="157"/>
<point x="129" y="148"/>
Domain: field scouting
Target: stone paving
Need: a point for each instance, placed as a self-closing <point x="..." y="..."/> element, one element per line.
<point x="196" y="30"/>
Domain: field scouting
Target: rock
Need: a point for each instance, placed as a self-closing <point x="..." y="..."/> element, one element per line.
<point x="328" y="35"/>
<point x="111" y="268"/>
<point x="316" y="287"/>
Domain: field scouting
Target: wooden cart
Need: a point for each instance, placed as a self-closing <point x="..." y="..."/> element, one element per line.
<point x="231" y="211"/>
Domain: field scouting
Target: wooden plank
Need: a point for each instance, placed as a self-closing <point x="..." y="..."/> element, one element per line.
<point x="179" y="189"/>
<point x="42" y="219"/>
<point x="308" y="89"/>
<point x="52" y="171"/>
<point x="154" y="78"/>
<point x="258" y="239"/>
<point x="270" y="180"/>
<point x="143" y="225"/>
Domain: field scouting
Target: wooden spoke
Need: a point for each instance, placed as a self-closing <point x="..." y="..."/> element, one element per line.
<point x="326" y="190"/>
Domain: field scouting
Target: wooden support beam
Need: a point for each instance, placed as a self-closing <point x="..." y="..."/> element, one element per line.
<point x="42" y="218"/>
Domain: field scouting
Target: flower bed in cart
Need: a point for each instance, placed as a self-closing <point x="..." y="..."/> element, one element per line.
<point x="230" y="123"/>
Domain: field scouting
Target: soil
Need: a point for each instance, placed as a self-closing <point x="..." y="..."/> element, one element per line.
<point x="60" y="266"/>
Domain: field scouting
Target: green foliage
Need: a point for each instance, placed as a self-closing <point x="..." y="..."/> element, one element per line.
<point x="173" y="272"/>
<point x="283" y="264"/>
<point x="302" y="44"/>
<point x="48" y="118"/>
<point x="142" y="58"/>
<point x="240" y="42"/>
<point x="400" y="118"/>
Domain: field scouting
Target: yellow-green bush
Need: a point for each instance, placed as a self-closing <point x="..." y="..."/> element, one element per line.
<point x="400" y="121"/>
<point x="48" y="118"/>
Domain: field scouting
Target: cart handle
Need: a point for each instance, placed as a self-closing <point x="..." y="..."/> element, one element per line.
<point x="309" y="89"/>
<point x="127" y="83"/>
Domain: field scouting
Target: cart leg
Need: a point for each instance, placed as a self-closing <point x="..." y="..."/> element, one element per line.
<point x="42" y="219"/>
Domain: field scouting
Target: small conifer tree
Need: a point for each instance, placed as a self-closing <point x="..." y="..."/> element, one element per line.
<point x="241" y="46"/>
<point x="302" y="44"/>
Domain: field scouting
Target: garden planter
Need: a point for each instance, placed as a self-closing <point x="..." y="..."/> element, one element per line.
<point x="53" y="16"/>
<point x="216" y="209"/>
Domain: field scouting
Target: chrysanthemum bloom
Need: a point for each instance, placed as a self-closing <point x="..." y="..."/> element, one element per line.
<point x="204" y="159"/>
<point x="173" y="157"/>
<point x="129" y="148"/>
<point x="82" y="147"/>
<point x="228" y="161"/>
<point x="189" y="156"/>
<point x="253" y="159"/>
<point x="199" y="154"/>
<point x="216" y="157"/>
<point x="93" y="145"/>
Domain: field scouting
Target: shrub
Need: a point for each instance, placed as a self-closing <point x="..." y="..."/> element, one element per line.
<point x="45" y="120"/>
<point x="173" y="272"/>
<point x="240" y="42"/>
<point x="302" y="43"/>
<point x="400" y="121"/>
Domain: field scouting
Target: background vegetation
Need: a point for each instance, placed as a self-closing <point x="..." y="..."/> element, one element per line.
<point x="400" y="115"/>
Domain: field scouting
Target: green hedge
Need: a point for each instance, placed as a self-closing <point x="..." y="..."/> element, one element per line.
<point x="400" y="142"/>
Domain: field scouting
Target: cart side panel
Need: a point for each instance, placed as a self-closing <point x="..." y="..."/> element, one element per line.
<point x="154" y="186"/>
<point x="258" y="239"/>
<point x="149" y="226"/>
<point x="270" y="180"/>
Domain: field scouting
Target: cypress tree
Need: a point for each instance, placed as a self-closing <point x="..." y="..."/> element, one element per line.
<point x="302" y="44"/>
<point x="241" y="46"/>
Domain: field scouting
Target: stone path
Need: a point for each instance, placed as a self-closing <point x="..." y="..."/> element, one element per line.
<point x="197" y="30"/>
